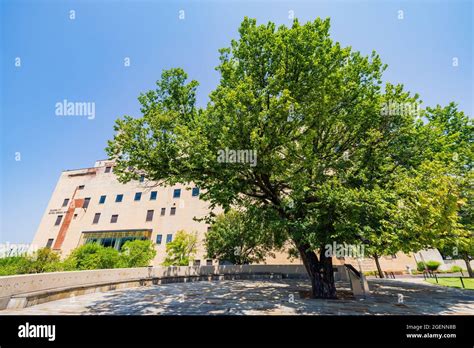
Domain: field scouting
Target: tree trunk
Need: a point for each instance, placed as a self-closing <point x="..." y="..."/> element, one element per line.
<point x="379" y="269"/>
<point x="320" y="272"/>
<point x="468" y="265"/>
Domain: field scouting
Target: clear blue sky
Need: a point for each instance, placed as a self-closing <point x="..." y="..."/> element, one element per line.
<point x="82" y="60"/>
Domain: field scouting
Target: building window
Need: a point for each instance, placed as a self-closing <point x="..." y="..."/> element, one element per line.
<point x="173" y="211"/>
<point x="75" y="216"/>
<point x="58" y="220"/>
<point x="163" y="211"/>
<point x="149" y="215"/>
<point x="195" y="191"/>
<point x="138" y="196"/>
<point x="49" y="243"/>
<point x="119" y="198"/>
<point x="169" y="238"/>
<point x="65" y="202"/>
<point x="86" y="202"/>
<point x="208" y="262"/>
<point x="197" y="263"/>
<point x="80" y="187"/>
<point x="114" y="219"/>
<point x="158" y="239"/>
<point x="102" y="199"/>
<point x="142" y="178"/>
<point x="153" y="195"/>
<point x="177" y="193"/>
<point x="107" y="169"/>
<point x="96" y="218"/>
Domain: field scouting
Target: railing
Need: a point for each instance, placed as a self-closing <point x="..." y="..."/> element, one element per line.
<point x="431" y="274"/>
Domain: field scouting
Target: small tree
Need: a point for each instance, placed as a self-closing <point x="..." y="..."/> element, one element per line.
<point x="180" y="251"/>
<point x="45" y="260"/>
<point x="137" y="253"/>
<point x="243" y="237"/>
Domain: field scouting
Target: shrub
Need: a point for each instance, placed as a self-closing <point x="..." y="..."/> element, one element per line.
<point x="420" y="266"/>
<point x="45" y="260"/>
<point x="92" y="256"/>
<point x="14" y="265"/>
<point x="455" y="269"/>
<point x="137" y="253"/>
<point x="433" y="265"/>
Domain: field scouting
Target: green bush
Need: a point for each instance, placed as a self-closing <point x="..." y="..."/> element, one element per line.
<point x="455" y="269"/>
<point x="433" y="265"/>
<point x="92" y="256"/>
<point x="45" y="260"/>
<point x="137" y="253"/>
<point x="14" y="265"/>
<point x="420" y="266"/>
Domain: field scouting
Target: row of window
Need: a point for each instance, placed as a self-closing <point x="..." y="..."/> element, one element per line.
<point x="114" y="218"/>
<point x="138" y="197"/>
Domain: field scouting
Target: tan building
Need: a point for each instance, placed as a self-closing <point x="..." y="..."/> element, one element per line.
<point x="90" y="205"/>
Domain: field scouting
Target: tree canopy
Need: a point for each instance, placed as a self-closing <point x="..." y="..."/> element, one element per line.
<point x="335" y="162"/>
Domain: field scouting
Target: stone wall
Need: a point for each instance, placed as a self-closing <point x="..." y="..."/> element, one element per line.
<point x="47" y="282"/>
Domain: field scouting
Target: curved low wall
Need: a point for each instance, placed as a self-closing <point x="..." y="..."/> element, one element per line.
<point x="46" y="286"/>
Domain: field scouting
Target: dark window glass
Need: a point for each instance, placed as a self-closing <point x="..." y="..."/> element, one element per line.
<point x="81" y="187"/>
<point x="177" y="193"/>
<point x="102" y="199"/>
<point x="75" y="216"/>
<point x="49" y="243"/>
<point x="208" y="262"/>
<point x="65" y="202"/>
<point x="149" y="215"/>
<point x="138" y="196"/>
<point x="107" y="169"/>
<point x="169" y="238"/>
<point x="158" y="239"/>
<point x="163" y="211"/>
<point x="197" y="263"/>
<point x="142" y="178"/>
<point x="153" y="195"/>
<point x="58" y="220"/>
<point x="86" y="202"/>
<point x="173" y="211"/>
<point x="195" y="191"/>
<point x="114" y="219"/>
<point x="119" y="198"/>
<point x="96" y="218"/>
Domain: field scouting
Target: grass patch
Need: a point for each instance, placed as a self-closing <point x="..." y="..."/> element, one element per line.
<point x="453" y="282"/>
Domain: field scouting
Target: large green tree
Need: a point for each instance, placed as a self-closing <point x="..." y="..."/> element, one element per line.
<point x="313" y="113"/>
<point x="451" y="136"/>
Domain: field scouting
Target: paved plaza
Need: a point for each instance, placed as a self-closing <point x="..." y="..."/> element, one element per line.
<point x="264" y="297"/>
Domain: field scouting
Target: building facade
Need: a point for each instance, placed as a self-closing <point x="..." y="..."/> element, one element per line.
<point x="91" y="205"/>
